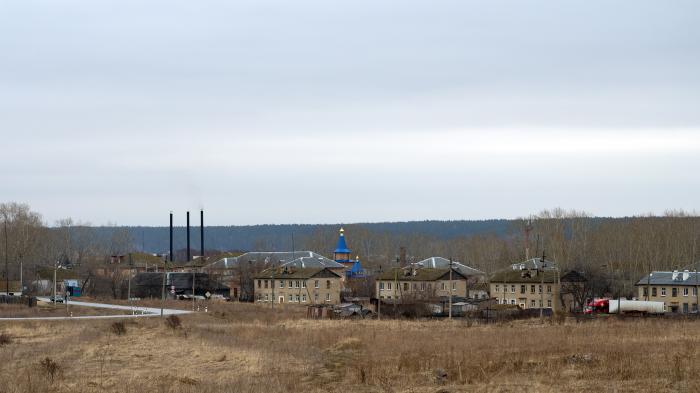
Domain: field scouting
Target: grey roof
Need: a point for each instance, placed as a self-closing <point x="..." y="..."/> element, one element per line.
<point x="444" y="263"/>
<point x="317" y="261"/>
<point x="533" y="264"/>
<point x="269" y="258"/>
<point x="671" y="278"/>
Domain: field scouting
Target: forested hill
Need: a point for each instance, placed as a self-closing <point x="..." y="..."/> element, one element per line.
<point x="279" y="237"/>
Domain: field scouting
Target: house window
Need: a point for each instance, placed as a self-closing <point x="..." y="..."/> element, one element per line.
<point x="540" y="303"/>
<point x="663" y="291"/>
<point x="405" y="286"/>
<point x="303" y="298"/>
<point x="645" y="291"/>
<point x="290" y="283"/>
<point x="415" y="286"/>
<point x="316" y="284"/>
<point x="422" y="286"/>
<point x="381" y="286"/>
<point x="291" y="299"/>
<point x="259" y="284"/>
<point x="549" y="303"/>
<point x="674" y="292"/>
<point x="442" y="286"/>
<point x="281" y="283"/>
<point x="540" y="288"/>
<point x="266" y="284"/>
<point x="328" y="284"/>
<point x="430" y="286"/>
<point x="695" y="307"/>
<point x="296" y="284"/>
<point x="297" y="298"/>
<point x="532" y="303"/>
<point x="522" y="289"/>
<point x="328" y="297"/>
<point x="388" y="286"/>
<point x="512" y="289"/>
<point x="685" y="308"/>
<point x="498" y="288"/>
<point x="454" y="286"/>
<point x="653" y="291"/>
<point x="532" y="289"/>
<point x="303" y="284"/>
<point x="512" y="301"/>
<point x="266" y="297"/>
<point x="695" y="291"/>
<point x="685" y="291"/>
<point x="315" y="297"/>
<point x="549" y="289"/>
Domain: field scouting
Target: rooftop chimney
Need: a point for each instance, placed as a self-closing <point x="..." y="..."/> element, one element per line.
<point x="170" y="255"/>
<point x="189" y="250"/>
<point x="201" y="231"/>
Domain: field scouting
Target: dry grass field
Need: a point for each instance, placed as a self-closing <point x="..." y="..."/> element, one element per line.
<point x="48" y="310"/>
<point x="246" y="348"/>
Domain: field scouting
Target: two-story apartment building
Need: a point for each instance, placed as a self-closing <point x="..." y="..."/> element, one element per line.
<point x="530" y="284"/>
<point x="411" y="284"/>
<point x="677" y="289"/>
<point x="291" y="285"/>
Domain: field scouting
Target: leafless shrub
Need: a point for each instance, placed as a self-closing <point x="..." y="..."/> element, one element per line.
<point x="118" y="328"/>
<point x="50" y="367"/>
<point x="5" y="339"/>
<point x="173" y="322"/>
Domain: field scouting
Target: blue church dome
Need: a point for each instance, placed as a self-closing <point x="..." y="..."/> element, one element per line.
<point x="341" y="247"/>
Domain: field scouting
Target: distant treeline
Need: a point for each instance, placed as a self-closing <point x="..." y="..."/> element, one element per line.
<point x="280" y="237"/>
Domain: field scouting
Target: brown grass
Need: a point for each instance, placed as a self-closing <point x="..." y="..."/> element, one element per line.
<point x="48" y="310"/>
<point x="247" y="348"/>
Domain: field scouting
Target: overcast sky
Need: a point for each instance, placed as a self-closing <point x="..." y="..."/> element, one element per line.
<point x="348" y="111"/>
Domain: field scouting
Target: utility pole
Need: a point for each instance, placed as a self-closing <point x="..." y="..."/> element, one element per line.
<point x="542" y="289"/>
<point x="697" y="295"/>
<point x="193" y="281"/>
<point x="165" y="267"/>
<point x="396" y="284"/>
<point x="449" y="291"/>
<point x="162" y="293"/>
<point x="648" y="284"/>
<point x="21" y="279"/>
<point x="272" y="303"/>
<point x="128" y="291"/>
<point x="379" y="299"/>
<point x="55" y="267"/>
<point x="7" y="275"/>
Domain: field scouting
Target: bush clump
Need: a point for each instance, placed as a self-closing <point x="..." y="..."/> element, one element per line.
<point x="50" y="367"/>
<point x="119" y="328"/>
<point x="173" y="322"/>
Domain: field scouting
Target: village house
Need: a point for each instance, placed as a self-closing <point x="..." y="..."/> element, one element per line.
<point x="677" y="289"/>
<point x="410" y="284"/>
<point x="291" y="285"/>
<point x="529" y="284"/>
<point x="238" y="272"/>
<point x="538" y="283"/>
<point x="15" y="288"/>
<point x="477" y="287"/>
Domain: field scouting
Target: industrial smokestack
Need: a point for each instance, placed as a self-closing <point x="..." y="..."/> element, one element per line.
<point x="201" y="231"/>
<point x="170" y="256"/>
<point x="189" y="252"/>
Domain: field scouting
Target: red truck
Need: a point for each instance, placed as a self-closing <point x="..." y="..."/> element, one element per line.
<point x="613" y="306"/>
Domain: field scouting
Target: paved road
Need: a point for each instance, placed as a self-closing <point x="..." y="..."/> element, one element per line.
<point x="137" y="311"/>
